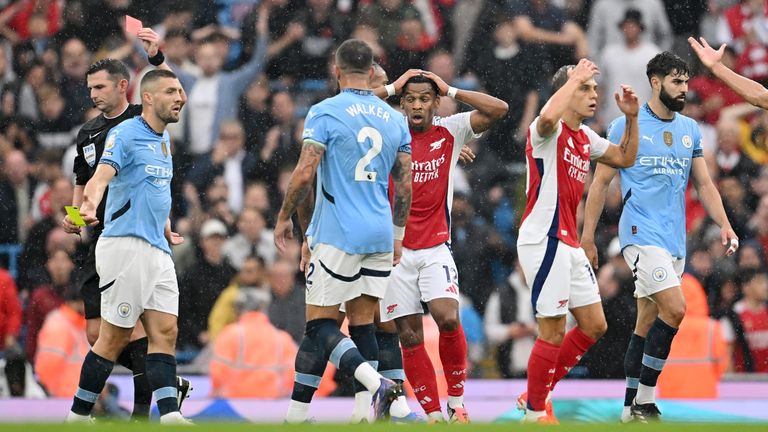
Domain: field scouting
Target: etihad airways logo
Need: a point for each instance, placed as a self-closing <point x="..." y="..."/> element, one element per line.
<point x="665" y="164"/>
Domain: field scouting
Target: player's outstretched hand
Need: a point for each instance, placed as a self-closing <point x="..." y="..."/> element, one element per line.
<point x="441" y="85"/>
<point x="730" y="239"/>
<point x="400" y="82"/>
<point x="398" y="253"/>
<point x="466" y="156"/>
<point x="584" y="71"/>
<point x="69" y="227"/>
<point x="591" y="251"/>
<point x="151" y="41"/>
<point x="283" y="232"/>
<point x="305" y="255"/>
<point x="708" y="55"/>
<point x="628" y="102"/>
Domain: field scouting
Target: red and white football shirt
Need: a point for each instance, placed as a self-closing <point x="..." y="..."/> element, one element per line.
<point x="755" y="324"/>
<point x="557" y="168"/>
<point x="434" y="154"/>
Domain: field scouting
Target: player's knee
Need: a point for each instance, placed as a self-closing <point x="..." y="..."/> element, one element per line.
<point x="449" y="324"/>
<point x="674" y="315"/>
<point x="410" y="338"/>
<point x="597" y="330"/>
<point x="92" y="334"/>
<point x="553" y="336"/>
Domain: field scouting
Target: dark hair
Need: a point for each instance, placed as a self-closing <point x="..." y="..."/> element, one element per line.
<point x="421" y="79"/>
<point x="178" y="33"/>
<point x="354" y="56"/>
<point x="256" y="258"/>
<point x="154" y="75"/>
<point x="561" y="77"/>
<point x="748" y="275"/>
<point x="666" y="63"/>
<point x="116" y="69"/>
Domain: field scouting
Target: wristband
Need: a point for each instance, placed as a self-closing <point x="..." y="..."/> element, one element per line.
<point x="390" y="89"/>
<point x="158" y="59"/>
<point x="398" y="231"/>
<point x="451" y="93"/>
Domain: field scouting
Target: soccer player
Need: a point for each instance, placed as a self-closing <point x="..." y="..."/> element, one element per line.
<point x="752" y="91"/>
<point x="652" y="224"/>
<point x="107" y="82"/>
<point x="427" y="271"/>
<point x="558" y="153"/>
<point x="133" y="253"/>
<point x="352" y="141"/>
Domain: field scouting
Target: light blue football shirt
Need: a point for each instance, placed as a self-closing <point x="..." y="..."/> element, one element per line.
<point x="654" y="188"/>
<point x="139" y="199"/>
<point x="362" y="136"/>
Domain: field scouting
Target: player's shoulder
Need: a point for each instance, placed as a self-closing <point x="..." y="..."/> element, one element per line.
<point x="686" y="121"/>
<point x="95" y="124"/>
<point x="127" y="125"/>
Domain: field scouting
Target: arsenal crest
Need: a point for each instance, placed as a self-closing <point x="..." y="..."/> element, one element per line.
<point x="165" y="148"/>
<point x="668" y="138"/>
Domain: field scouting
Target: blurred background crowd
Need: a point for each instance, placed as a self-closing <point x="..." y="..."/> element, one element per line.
<point x="239" y="138"/>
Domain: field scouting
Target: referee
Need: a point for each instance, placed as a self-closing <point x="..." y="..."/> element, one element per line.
<point x="107" y="82"/>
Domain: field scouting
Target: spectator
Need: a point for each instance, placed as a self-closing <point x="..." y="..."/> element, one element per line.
<point x="257" y="198"/>
<point x="48" y="296"/>
<point x="606" y="14"/>
<point x="62" y="346"/>
<point x="620" y="63"/>
<point x="252" y="358"/>
<point x="386" y="16"/>
<point x="75" y="59"/>
<point x="324" y="31"/>
<point x="510" y="325"/>
<point x="10" y="318"/>
<point x="750" y="256"/>
<point x="254" y="114"/>
<point x="747" y="329"/>
<point x="280" y="144"/>
<point x="731" y="161"/>
<point x="715" y="95"/>
<point x="251" y="275"/>
<point x="202" y="284"/>
<point x="412" y="47"/>
<point x="16" y="188"/>
<point x="252" y="238"/>
<point x="286" y="311"/>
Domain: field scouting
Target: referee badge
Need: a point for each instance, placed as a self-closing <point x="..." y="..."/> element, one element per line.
<point x="668" y="138"/>
<point x="165" y="148"/>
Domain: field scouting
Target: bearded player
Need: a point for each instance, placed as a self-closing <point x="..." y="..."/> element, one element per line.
<point x="558" y="154"/>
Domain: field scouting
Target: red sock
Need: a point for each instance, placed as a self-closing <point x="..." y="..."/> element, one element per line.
<point x="453" y="355"/>
<point x="421" y="374"/>
<point x="575" y="344"/>
<point x="541" y="368"/>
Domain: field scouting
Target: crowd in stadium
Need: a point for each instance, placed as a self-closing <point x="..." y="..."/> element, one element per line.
<point x="240" y="137"/>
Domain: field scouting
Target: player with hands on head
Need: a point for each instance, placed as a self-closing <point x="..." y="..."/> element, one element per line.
<point x="652" y="230"/>
<point x="558" y="153"/>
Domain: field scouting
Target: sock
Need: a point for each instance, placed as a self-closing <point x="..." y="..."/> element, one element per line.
<point x="310" y="366"/>
<point x="657" y="346"/>
<point x="297" y="412"/>
<point x="633" y="364"/>
<point x="343" y="353"/>
<point x="93" y="377"/>
<point x="362" y="407"/>
<point x="421" y="375"/>
<point x="541" y="369"/>
<point x="453" y="355"/>
<point x="142" y="393"/>
<point x="575" y="344"/>
<point x="161" y="374"/>
<point x="364" y="338"/>
<point x="390" y="357"/>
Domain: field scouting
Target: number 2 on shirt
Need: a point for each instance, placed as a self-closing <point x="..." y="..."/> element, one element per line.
<point x="360" y="173"/>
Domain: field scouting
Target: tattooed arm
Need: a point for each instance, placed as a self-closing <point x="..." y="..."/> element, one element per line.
<point x="299" y="187"/>
<point x="401" y="177"/>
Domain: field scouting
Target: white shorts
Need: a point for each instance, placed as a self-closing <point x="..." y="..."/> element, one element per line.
<point x="135" y="276"/>
<point x="560" y="277"/>
<point x="334" y="276"/>
<point x="421" y="276"/>
<point x="654" y="268"/>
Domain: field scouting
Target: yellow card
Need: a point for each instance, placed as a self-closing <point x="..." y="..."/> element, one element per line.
<point x="74" y="214"/>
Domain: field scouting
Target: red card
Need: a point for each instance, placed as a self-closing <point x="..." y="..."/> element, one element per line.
<point x="132" y="25"/>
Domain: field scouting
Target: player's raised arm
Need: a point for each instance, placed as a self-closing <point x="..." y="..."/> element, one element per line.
<point x="556" y="106"/>
<point x="94" y="192"/>
<point x="713" y="204"/>
<point x="298" y="189"/>
<point x="624" y="153"/>
<point x="395" y="88"/>
<point x="594" y="208"/>
<point x="151" y="42"/>
<point x="488" y="109"/>
<point x="752" y="91"/>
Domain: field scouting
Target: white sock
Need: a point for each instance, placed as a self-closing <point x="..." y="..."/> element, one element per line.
<point x="436" y="416"/>
<point x="456" y="401"/>
<point x="645" y="395"/>
<point x="399" y="407"/>
<point x="532" y="416"/>
<point x="173" y="417"/>
<point x="625" y="414"/>
<point x="77" y="418"/>
<point x="367" y="375"/>
<point x="297" y="412"/>
<point x="362" y="410"/>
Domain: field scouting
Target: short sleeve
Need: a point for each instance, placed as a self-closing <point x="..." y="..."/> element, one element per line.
<point x="698" y="150"/>
<point x="460" y="126"/>
<point x="405" y="141"/>
<point x="116" y="152"/>
<point x="597" y="144"/>
<point x="316" y="128"/>
<point x="538" y="140"/>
